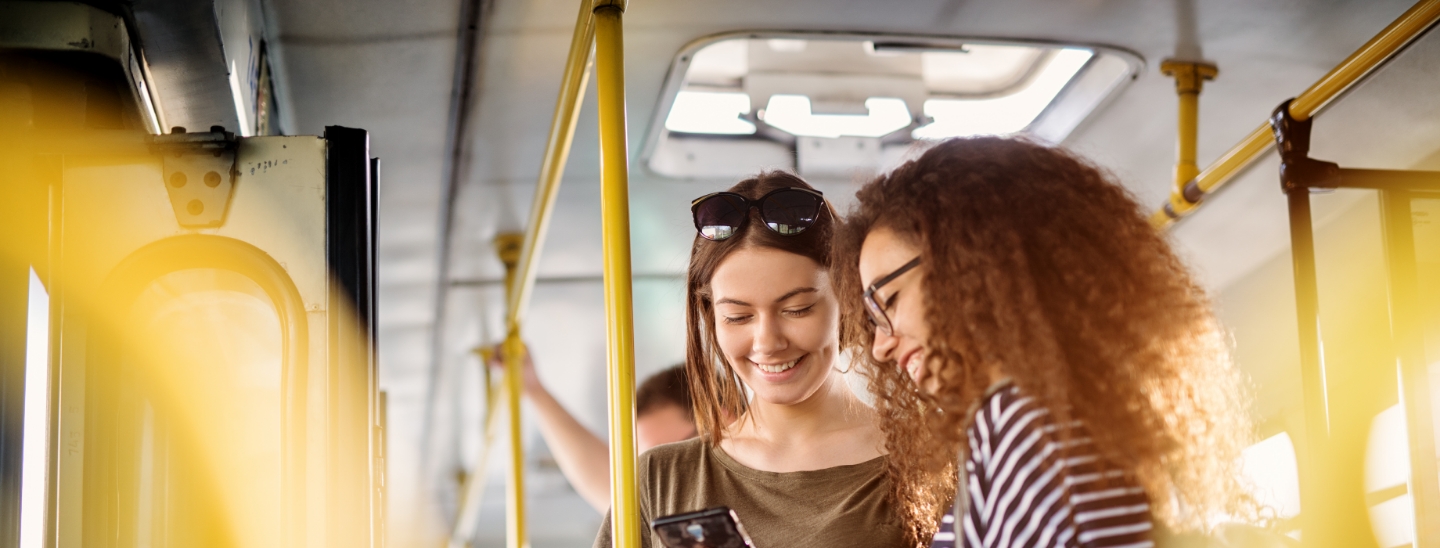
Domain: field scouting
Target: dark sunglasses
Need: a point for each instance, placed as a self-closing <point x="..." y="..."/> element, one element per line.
<point x="875" y="308"/>
<point x="786" y="211"/>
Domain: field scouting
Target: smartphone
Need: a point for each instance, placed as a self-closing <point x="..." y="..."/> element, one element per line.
<point x="710" y="528"/>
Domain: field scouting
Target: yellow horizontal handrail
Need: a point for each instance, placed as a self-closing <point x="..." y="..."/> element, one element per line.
<point x="1402" y="31"/>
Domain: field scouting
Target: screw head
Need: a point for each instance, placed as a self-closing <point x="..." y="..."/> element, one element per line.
<point x="177" y="179"/>
<point x="212" y="179"/>
<point x="195" y="207"/>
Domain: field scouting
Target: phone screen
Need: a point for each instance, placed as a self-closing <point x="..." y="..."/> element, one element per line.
<point x="710" y="528"/>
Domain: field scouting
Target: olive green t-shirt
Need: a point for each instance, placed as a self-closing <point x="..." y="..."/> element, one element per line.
<point x="834" y="507"/>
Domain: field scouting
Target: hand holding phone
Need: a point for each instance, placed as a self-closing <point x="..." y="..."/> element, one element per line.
<point x="710" y="528"/>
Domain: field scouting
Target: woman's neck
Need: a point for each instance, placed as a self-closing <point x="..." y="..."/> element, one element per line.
<point x="831" y="407"/>
<point x="830" y="428"/>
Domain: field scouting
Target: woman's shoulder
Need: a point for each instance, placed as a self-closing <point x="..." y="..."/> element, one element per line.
<point x="1001" y="397"/>
<point x="680" y="455"/>
<point x="1005" y="407"/>
<point x="677" y="450"/>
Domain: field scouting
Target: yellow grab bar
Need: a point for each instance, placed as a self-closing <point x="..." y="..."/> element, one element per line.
<point x="474" y="486"/>
<point x="515" y="488"/>
<point x="599" y="23"/>
<point x="520" y="280"/>
<point x="1190" y="77"/>
<point x="552" y="168"/>
<point x="615" y="217"/>
<point x="1402" y="31"/>
<point x="508" y="247"/>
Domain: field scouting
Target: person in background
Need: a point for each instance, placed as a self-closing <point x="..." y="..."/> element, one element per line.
<point x="1030" y="333"/>
<point x="662" y="415"/>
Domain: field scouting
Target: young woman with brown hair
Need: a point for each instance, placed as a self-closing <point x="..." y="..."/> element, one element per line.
<point x="783" y="440"/>
<point x="1019" y="313"/>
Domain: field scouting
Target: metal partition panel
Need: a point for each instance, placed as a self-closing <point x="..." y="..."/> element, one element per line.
<point x="178" y="343"/>
<point x="349" y="218"/>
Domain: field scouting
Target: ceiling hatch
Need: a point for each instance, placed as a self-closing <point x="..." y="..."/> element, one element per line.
<point x="838" y="105"/>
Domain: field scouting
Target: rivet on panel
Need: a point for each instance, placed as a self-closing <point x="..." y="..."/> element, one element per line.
<point x="177" y="179"/>
<point x="212" y="179"/>
<point x="195" y="207"/>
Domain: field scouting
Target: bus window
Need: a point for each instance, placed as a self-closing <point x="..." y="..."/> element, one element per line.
<point x="207" y="398"/>
<point x="1387" y="475"/>
<point x="1271" y="469"/>
<point x="37" y="400"/>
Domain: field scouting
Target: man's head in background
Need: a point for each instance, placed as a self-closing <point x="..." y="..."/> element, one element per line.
<point x="662" y="409"/>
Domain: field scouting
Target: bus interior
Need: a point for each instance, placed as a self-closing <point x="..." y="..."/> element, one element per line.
<point x="256" y="252"/>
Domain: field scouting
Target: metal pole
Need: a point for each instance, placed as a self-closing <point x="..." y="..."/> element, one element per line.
<point x="557" y="150"/>
<point x="519" y="283"/>
<point x="1407" y="328"/>
<point x="1312" y="367"/>
<point x="507" y="246"/>
<point x="1389" y="179"/>
<point x="515" y="488"/>
<point x="1379" y="49"/>
<point x="1189" y="78"/>
<point x="615" y="214"/>
<point x="474" y="488"/>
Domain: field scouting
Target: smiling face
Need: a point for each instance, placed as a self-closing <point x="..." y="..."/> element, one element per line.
<point x="903" y="299"/>
<point x="776" y="322"/>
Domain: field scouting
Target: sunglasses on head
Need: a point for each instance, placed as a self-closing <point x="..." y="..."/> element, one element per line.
<point x="787" y="211"/>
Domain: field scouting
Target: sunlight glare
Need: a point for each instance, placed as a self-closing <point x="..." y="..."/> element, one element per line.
<point x="37" y="399"/>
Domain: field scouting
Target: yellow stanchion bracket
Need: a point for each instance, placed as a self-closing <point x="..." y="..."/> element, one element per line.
<point x="1379" y="49"/>
<point x="1190" y="77"/>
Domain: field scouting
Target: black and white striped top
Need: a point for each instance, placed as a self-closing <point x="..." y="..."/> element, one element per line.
<point x="1019" y="496"/>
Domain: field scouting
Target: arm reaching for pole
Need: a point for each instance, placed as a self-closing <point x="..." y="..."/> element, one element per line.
<point x="662" y="415"/>
<point x="579" y="452"/>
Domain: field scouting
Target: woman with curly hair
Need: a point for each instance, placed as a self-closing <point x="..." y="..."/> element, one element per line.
<point x="1020" y="316"/>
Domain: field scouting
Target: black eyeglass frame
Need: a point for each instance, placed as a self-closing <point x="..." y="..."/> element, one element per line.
<point x="754" y="204"/>
<point x="878" y="317"/>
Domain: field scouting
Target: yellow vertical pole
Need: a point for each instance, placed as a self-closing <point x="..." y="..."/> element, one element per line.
<point x="519" y="282"/>
<point x="615" y="216"/>
<point x="508" y="247"/>
<point x="1190" y="77"/>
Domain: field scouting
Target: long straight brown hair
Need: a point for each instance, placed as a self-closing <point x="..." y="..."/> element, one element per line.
<point x="715" y="387"/>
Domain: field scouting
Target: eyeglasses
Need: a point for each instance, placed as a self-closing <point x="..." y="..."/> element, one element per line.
<point x="877" y="310"/>
<point x="787" y="211"/>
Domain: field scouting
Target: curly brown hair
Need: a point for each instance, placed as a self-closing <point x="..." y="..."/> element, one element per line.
<point x="715" y="386"/>
<point x="1039" y="266"/>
